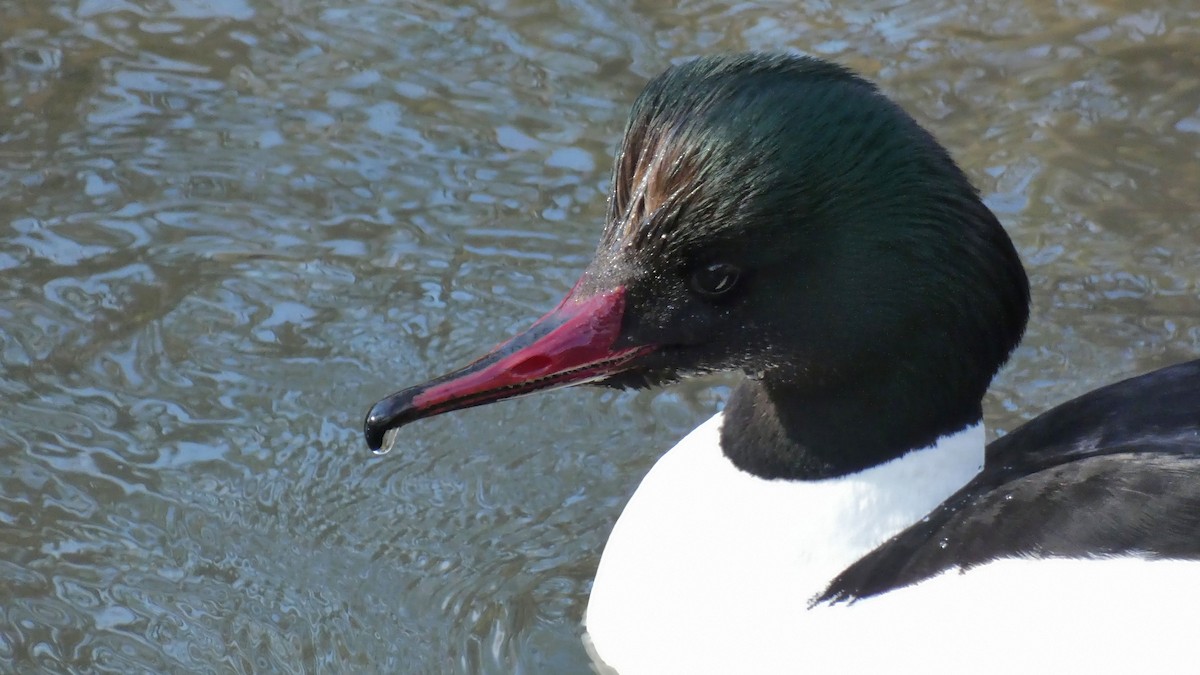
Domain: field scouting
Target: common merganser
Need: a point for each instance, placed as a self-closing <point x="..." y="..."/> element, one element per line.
<point x="778" y="215"/>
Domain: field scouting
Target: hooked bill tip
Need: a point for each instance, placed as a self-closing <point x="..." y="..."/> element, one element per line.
<point x="374" y="435"/>
<point x="385" y="418"/>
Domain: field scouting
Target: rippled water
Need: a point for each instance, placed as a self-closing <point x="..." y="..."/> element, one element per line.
<point x="226" y="227"/>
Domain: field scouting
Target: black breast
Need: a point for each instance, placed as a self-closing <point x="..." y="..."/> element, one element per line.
<point x="1113" y="472"/>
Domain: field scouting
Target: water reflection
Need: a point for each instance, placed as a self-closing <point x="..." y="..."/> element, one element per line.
<point x="228" y="227"/>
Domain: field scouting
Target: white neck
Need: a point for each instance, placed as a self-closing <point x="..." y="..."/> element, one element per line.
<point x="703" y="547"/>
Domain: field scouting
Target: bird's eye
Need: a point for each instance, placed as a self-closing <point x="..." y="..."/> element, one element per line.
<point x="715" y="279"/>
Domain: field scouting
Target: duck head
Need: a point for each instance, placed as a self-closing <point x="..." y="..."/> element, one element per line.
<point x="777" y="215"/>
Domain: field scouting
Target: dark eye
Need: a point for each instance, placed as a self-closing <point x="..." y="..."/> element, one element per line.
<point x="715" y="279"/>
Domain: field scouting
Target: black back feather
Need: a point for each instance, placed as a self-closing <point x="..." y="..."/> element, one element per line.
<point x="1113" y="472"/>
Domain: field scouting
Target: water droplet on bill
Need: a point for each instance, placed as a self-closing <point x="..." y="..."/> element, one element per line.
<point x="389" y="441"/>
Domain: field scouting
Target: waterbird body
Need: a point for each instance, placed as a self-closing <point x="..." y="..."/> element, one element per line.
<point x="777" y="215"/>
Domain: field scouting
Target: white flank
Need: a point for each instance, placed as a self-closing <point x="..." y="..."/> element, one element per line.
<point x="710" y="570"/>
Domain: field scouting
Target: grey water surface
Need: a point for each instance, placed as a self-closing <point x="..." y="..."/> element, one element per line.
<point x="229" y="226"/>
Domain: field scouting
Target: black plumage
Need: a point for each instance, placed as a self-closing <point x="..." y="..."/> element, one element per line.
<point x="1113" y="472"/>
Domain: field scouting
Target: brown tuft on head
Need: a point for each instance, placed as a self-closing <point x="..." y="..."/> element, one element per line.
<point x="655" y="172"/>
